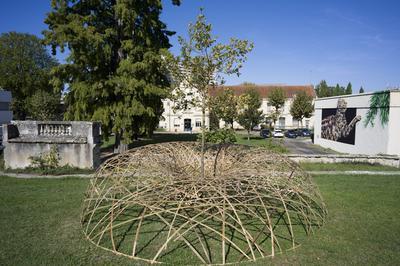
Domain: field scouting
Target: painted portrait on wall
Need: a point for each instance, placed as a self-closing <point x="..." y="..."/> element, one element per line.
<point x="338" y="124"/>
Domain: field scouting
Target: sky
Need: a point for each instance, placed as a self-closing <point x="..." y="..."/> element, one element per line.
<point x="295" y="42"/>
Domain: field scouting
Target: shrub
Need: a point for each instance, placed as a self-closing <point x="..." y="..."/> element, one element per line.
<point x="220" y="136"/>
<point x="48" y="160"/>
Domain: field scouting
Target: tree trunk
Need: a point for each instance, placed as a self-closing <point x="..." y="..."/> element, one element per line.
<point x="203" y="136"/>
<point x="248" y="136"/>
<point x="119" y="147"/>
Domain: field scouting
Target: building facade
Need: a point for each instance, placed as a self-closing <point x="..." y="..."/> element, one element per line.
<point x="190" y="120"/>
<point x="6" y="114"/>
<point x="366" y="123"/>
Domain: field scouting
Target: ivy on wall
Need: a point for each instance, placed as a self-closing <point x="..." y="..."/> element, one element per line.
<point x="379" y="102"/>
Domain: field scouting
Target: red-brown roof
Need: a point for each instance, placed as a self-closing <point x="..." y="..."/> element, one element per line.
<point x="264" y="90"/>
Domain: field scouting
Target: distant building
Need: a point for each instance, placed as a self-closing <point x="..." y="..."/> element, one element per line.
<point x="366" y="123"/>
<point x="190" y="120"/>
<point x="5" y="109"/>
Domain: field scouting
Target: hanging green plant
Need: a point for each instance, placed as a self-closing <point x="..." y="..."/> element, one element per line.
<point x="380" y="101"/>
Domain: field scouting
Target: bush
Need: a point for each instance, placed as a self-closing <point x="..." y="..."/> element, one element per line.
<point x="47" y="160"/>
<point x="220" y="136"/>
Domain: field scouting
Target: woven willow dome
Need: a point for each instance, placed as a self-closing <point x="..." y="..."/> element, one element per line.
<point x="151" y="204"/>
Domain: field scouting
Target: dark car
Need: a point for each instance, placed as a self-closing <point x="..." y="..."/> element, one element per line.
<point x="291" y="134"/>
<point x="305" y="132"/>
<point x="265" y="133"/>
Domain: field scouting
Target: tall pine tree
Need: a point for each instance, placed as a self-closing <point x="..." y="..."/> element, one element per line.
<point x="349" y="89"/>
<point x="114" y="70"/>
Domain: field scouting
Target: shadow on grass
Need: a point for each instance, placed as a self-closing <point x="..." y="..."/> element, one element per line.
<point x="157" y="138"/>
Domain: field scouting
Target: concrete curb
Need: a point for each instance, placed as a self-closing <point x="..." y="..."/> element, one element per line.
<point x="354" y="172"/>
<point x="32" y="176"/>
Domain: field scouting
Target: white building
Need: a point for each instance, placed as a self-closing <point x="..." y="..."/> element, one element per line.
<point x="190" y="120"/>
<point x="347" y="124"/>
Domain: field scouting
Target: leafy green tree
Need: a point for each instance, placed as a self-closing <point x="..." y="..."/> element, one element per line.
<point x="302" y="106"/>
<point x="249" y="114"/>
<point x="221" y="136"/>
<point x="361" y="90"/>
<point x="277" y="99"/>
<point x="44" y="105"/>
<point x="24" y="69"/>
<point x="202" y="63"/>
<point x="114" y="69"/>
<point x="349" y="89"/>
<point x="322" y="89"/>
<point x="224" y="106"/>
<point x="337" y="90"/>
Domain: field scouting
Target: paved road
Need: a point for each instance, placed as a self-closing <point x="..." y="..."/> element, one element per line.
<point x="304" y="146"/>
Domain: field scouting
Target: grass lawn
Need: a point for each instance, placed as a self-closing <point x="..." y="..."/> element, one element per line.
<point x="40" y="224"/>
<point x="157" y="138"/>
<point x="270" y="143"/>
<point x="346" y="167"/>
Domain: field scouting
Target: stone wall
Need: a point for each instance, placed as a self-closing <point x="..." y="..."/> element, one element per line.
<point x="372" y="139"/>
<point x="77" y="143"/>
<point x="393" y="161"/>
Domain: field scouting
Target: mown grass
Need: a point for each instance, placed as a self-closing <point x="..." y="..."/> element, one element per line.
<point x="271" y="144"/>
<point x="40" y="225"/>
<point x="346" y="167"/>
<point x="157" y="138"/>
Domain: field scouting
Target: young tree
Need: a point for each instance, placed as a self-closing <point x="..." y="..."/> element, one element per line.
<point x="201" y="65"/>
<point x="224" y="105"/>
<point x="24" y="69"/>
<point x="361" y="90"/>
<point x="302" y="107"/>
<point x="349" y="89"/>
<point x="249" y="114"/>
<point x="114" y="69"/>
<point x="277" y="99"/>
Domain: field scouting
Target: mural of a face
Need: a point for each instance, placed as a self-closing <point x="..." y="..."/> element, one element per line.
<point x="341" y="106"/>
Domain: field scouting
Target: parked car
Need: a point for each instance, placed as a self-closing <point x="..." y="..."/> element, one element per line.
<point x="291" y="133"/>
<point x="304" y="132"/>
<point x="265" y="133"/>
<point x="277" y="133"/>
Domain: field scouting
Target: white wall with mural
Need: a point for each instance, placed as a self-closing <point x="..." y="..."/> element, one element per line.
<point x="367" y="123"/>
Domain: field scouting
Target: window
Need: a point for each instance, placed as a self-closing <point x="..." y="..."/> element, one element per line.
<point x="307" y="123"/>
<point x="198" y="123"/>
<point x="176" y="122"/>
<point x="281" y="122"/>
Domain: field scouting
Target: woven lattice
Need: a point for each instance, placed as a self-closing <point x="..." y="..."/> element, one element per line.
<point x="151" y="204"/>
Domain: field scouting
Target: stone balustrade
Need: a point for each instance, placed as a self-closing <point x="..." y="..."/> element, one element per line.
<point x="50" y="129"/>
<point x="77" y="142"/>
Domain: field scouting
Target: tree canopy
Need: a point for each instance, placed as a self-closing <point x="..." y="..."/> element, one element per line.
<point x="224" y="106"/>
<point x="249" y="114"/>
<point x="302" y="106"/>
<point x="24" y="69"/>
<point x="115" y="67"/>
<point x="323" y="90"/>
<point x="349" y="89"/>
<point x="277" y="99"/>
